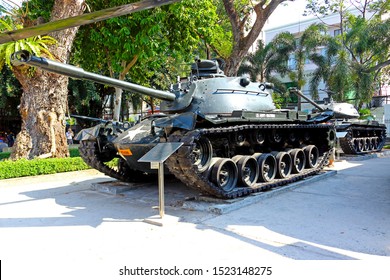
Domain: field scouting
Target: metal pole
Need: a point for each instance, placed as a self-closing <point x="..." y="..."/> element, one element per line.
<point x="161" y="188"/>
<point x="338" y="149"/>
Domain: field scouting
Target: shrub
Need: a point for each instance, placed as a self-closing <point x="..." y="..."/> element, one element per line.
<point x="73" y="152"/>
<point x="4" y="155"/>
<point x="23" y="167"/>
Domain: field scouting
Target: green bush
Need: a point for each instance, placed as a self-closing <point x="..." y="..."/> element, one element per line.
<point x="73" y="152"/>
<point x="365" y="114"/>
<point x="4" y="155"/>
<point x="23" y="167"/>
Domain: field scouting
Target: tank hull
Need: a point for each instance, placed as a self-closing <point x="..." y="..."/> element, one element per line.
<point x="243" y="154"/>
<point x="360" y="137"/>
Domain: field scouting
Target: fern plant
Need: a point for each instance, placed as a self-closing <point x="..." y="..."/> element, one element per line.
<point x="37" y="44"/>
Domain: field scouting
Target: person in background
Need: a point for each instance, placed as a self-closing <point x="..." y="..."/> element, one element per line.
<point x="10" y="139"/>
<point x="69" y="136"/>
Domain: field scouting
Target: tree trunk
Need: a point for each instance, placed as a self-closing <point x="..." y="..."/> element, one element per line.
<point x="241" y="41"/>
<point x="118" y="91"/>
<point x="117" y="104"/>
<point x="45" y="96"/>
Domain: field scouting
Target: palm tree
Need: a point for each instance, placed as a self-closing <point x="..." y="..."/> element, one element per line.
<point x="306" y="45"/>
<point x="268" y="59"/>
<point x="353" y="61"/>
<point x="332" y="68"/>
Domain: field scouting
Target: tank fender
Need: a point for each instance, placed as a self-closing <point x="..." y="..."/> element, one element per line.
<point x="185" y="121"/>
<point x="88" y="133"/>
<point x="322" y="117"/>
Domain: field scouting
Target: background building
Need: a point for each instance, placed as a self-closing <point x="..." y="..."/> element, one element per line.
<point x="381" y="97"/>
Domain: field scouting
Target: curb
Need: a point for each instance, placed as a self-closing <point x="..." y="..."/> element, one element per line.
<point x="219" y="206"/>
<point x="364" y="157"/>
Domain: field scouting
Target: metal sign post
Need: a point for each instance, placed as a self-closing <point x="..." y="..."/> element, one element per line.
<point x="161" y="189"/>
<point x="338" y="136"/>
<point x="156" y="157"/>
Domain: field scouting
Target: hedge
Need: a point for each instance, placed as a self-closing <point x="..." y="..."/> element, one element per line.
<point x="23" y="167"/>
<point x="73" y="152"/>
<point x="4" y="155"/>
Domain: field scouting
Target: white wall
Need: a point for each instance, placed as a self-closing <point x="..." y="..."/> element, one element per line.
<point x="387" y="118"/>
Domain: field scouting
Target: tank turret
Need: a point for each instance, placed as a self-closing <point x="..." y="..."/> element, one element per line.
<point x="356" y="136"/>
<point x="235" y="142"/>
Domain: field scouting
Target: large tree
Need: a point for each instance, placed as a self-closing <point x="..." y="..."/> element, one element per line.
<point x="44" y="100"/>
<point x="247" y="19"/>
<point x="139" y="47"/>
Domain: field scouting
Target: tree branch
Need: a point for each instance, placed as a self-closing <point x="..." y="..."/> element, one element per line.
<point x="128" y="67"/>
<point x="233" y="17"/>
<point x="379" y="66"/>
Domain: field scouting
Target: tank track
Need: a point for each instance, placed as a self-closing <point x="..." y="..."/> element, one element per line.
<point x="89" y="153"/>
<point x="371" y="139"/>
<point x="181" y="163"/>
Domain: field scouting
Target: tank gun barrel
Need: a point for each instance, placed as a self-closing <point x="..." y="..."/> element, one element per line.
<point x="300" y="94"/>
<point x="25" y="58"/>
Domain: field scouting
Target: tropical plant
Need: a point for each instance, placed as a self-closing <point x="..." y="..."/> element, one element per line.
<point x="307" y="44"/>
<point x="268" y="59"/>
<point x="37" y="44"/>
<point x="356" y="59"/>
<point x="304" y="48"/>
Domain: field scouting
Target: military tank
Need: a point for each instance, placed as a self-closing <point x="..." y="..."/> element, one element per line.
<point x="355" y="136"/>
<point x="235" y="142"/>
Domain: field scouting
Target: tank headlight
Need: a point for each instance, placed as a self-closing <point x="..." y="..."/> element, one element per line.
<point x="125" y="152"/>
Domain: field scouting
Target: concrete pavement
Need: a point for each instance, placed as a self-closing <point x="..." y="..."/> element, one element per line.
<point x="57" y="227"/>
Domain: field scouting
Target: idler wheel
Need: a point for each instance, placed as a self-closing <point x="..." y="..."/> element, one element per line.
<point x="284" y="164"/>
<point x="298" y="159"/>
<point x="224" y="174"/>
<point x="248" y="170"/>
<point x="267" y="166"/>
<point x="202" y="154"/>
<point x="312" y="156"/>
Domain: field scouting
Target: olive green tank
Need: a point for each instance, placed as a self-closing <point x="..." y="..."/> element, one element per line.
<point x="235" y="142"/>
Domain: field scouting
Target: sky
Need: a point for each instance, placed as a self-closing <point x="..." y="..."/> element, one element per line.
<point x="287" y="13"/>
